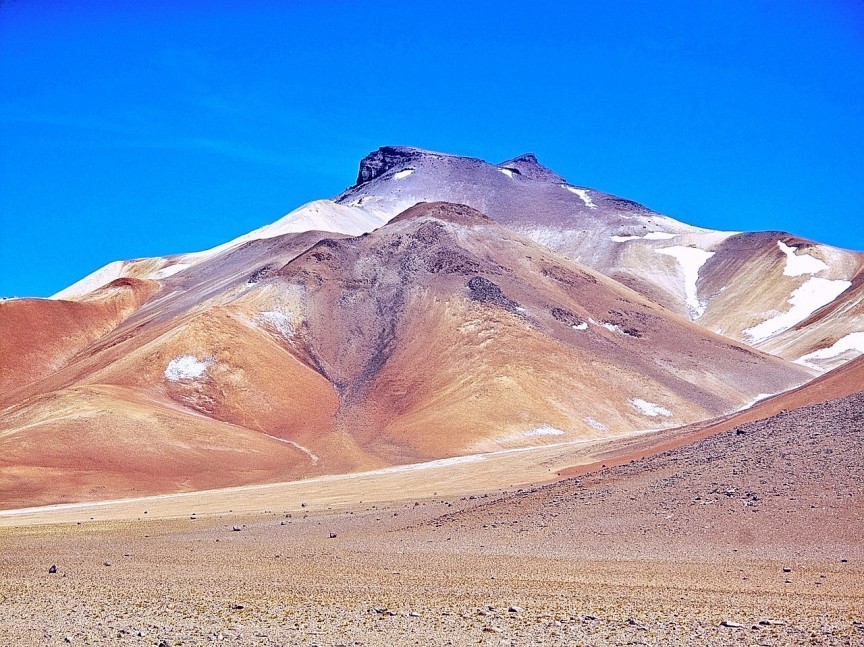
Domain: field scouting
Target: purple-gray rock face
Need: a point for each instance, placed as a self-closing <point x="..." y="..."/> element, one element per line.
<point x="378" y="162"/>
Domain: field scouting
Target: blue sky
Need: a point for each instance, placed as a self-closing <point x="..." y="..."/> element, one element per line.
<point x="148" y="128"/>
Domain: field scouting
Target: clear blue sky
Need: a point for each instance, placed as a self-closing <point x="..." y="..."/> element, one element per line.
<point x="161" y="127"/>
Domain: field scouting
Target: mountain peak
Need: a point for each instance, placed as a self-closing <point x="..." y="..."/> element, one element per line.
<point x="449" y="211"/>
<point x="385" y="158"/>
<point x="528" y="166"/>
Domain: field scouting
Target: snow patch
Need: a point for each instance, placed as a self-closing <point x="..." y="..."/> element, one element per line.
<point x="583" y="195"/>
<point x="580" y="326"/>
<point x="806" y="300"/>
<point x="186" y="367"/>
<point x="544" y="430"/>
<point x="596" y="424"/>
<point x="652" y="235"/>
<point x="758" y="398"/>
<point x="507" y="172"/>
<point x="851" y="342"/>
<point x="691" y="260"/>
<point x="649" y="408"/>
<point x="278" y="320"/>
<point x="405" y="173"/>
<point x="798" y="264"/>
<point x="536" y="432"/>
<point x="612" y="327"/>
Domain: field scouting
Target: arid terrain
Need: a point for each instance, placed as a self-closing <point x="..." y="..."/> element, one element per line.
<point x="750" y="536"/>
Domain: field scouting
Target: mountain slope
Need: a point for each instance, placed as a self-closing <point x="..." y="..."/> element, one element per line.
<point x="752" y="287"/>
<point x="440" y="334"/>
<point x="789" y="296"/>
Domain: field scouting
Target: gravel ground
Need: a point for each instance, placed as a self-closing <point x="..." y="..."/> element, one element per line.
<point x="758" y="529"/>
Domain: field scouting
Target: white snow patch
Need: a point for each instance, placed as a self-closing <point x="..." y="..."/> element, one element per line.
<point x="612" y="327"/>
<point x="583" y="325"/>
<point x="544" y="430"/>
<point x="758" y="398"/>
<point x="649" y="408"/>
<point x="171" y="270"/>
<point x="691" y="260"/>
<point x="651" y="235"/>
<point x="186" y="367"/>
<point x="798" y="264"/>
<point x="806" y="300"/>
<point x="583" y="195"/>
<point x="404" y="173"/>
<point x="279" y="320"/>
<point x="536" y="432"/>
<point x="507" y="172"/>
<point x="596" y="424"/>
<point x="851" y="342"/>
<point x="659" y="235"/>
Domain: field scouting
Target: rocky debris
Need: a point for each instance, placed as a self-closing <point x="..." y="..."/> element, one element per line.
<point x="515" y="609"/>
<point x="332" y="535"/>
<point x="236" y="528"/>
<point x="566" y="317"/>
<point x="448" y="261"/>
<point x="485" y="291"/>
<point x="52" y="569"/>
<point x="636" y="625"/>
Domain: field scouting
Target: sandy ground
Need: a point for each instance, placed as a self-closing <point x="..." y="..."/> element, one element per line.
<point x="758" y="527"/>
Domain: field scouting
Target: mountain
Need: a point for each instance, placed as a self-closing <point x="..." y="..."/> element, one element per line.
<point x="440" y="334"/>
<point x="440" y="307"/>
<point x="798" y="299"/>
<point x="792" y="297"/>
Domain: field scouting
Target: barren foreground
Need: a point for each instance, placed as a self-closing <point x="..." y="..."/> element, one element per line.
<point x="757" y="528"/>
